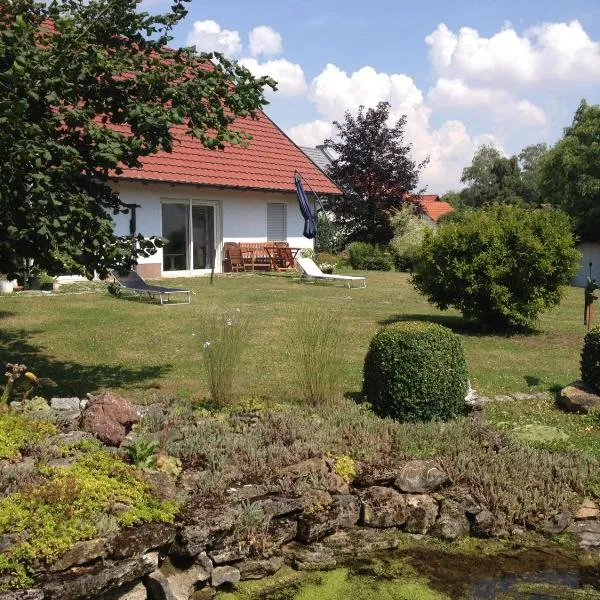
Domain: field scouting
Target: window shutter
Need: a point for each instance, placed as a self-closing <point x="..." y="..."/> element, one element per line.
<point x="276" y="222"/>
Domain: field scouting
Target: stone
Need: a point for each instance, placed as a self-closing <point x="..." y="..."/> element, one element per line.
<point x="311" y="466"/>
<point x="555" y="524"/>
<point x="578" y="398"/>
<point x="129" y="591"/>
<point x="503" y="398"/>
<point x="280" y="506"/>
<point x="343" y="512"/>
<point x="279" y="532"/>
<point x="335" y="484"/>
<point x="383" y="507"/>
<point x="522" y="396"/>
<point x="32" y="594"/>
<point x="109" y="417"/>
<point x="159" y="589"/>
<point x="369" y="475"/>
<point x="483" y="524"/>
<point x="587" y="510"/>
<point x="8" y="540"/>
<point x="180" y="580"/>
<point x="163" y="487"/>
<point x="421" y="513"/>
<point x="80" y="554"/>
<point x="137" y="540"/>
<point x="452" y="522"/>
<point x="588" y="533"/>
<point x="257" y="569"/>
<point x="229" y="554"/>
<point x="360" y="541"/>
<point x="65" y="404"/>
<point x="76" y="585"/>
<point x="420" y="477"/>
<point x="224" y="575"/>
<point x="312" y="558"/>
<point x="73" y="437"/>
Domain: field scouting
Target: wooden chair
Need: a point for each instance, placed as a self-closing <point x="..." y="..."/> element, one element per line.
<point x="284" y="257"/>
<point x="234" y="256"/>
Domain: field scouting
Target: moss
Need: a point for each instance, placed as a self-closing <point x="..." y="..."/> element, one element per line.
<point x="345" y="467"/>
<point x="17" y="431"/>
<point x="67" y="508"/>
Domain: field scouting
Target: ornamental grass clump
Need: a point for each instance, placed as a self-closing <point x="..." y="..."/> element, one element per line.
<point x="416" y="371"/>
<point x="316" y="350"/>
<point x="224" y="336"/>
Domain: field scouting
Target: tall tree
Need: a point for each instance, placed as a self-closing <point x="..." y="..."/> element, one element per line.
<point x="570" y="172"/>
<point x="530" y="159"/>
<point x="87" y="86"/>
<point x="374" y="170"/>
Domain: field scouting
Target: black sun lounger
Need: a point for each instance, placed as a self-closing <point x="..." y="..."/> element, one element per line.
<point x="133" y="282"/>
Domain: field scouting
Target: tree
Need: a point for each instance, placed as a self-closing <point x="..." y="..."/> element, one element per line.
<point x="87" y="86"/>
<point x="491" y="177"/>
<point x="374" y="170"/>
<point x="570" y="172"/>
<point x="530" y="159"/>
<point x="501" y="265"/>
<point x="409" y="233"/>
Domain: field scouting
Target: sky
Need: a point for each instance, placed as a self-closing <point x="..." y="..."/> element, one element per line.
<point x="465" y="73"/>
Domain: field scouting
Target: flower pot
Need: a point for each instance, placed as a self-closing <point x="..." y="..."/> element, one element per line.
<point x="6" y="286"/>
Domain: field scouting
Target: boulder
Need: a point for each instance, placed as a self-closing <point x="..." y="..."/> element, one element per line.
<point x="420" y="477"/>
<point x="555" y="524"/>
<point x="421" y="513"/>
<point x="257" y="569"/>
<point x="483" y="524"/>
<point x="383" y="507"/>
<point x="360" y="541"/>
<point x="588" y="533"/>
<point x="344" y="511"/>
<point x="138" y="540"/>
<point x="335" y="484"/>
<point x="587" y="510"/>
<point x="312" y="558"/>
<point x="109" y="417"/>
<point x="311" y="466"/>
<point x="452" y="522"/>
<point x="578" y="398"/>
<point x="180" y="580"/>
<point x="369" y="475"/>
<point x="223" y="575"/>
<point x="159" y="589"/>
<point x="80" y="554"/>
<point x="70" y="404"/>
<point x="129" y="591"/>
<point x="76" y="585"/>
<point x="8" y="540"/>
<point x="32" y="594"/>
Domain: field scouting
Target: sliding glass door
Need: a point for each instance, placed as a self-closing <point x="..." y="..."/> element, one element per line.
<point x="190" y="227"/>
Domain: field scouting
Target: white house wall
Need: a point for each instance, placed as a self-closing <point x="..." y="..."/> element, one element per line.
<point x="243" y="214"/>
<point x="590" y="254"/>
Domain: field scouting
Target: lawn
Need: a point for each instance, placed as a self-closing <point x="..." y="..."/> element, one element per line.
<point x="90" y="341"/>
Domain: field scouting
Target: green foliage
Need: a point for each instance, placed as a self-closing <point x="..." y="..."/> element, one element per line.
<point x="55" y="200"/>
<point x="416" y="371"/>
<point x="368" y="257"/>
<point x="50" y="517"/>
<point x="224" y="336"/>
<point x="373" y="169"/>
<point x="345" y="467"/>
<point x="142" y="452"/>
<point x="316" y="350"/>
<point x="409" y="233"/>
<point x="590" y="358"/>
<point x="18" y="431"/>
<point x="501" y="266"/>
<point x="570" y="172"/>
<point x="330" y="237"/>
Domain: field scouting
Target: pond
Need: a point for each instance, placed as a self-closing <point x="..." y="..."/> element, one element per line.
<point x="547" y="572"/>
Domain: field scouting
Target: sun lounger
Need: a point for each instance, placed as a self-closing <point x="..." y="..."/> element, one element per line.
<point x="311" y="272"/>
<point x="134" y="283"/>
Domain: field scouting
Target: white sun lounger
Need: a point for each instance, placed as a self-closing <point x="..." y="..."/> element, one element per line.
<point x="311" y="272"/>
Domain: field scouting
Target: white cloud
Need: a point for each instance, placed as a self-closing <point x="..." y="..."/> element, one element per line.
<point x="311" y="134"/>
<point x="551" y="52"/>
<point x="289" y="76"/>
<point x="265" y="40"/>
<point x="500" y="104"/>
<point x="208" y="36"/>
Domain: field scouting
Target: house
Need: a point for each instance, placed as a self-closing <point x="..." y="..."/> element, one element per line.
<point x="430" y="207"/>
<point x="319" y="155"/>
<point x="590" y="253"/>
<point x="199" y="198"/>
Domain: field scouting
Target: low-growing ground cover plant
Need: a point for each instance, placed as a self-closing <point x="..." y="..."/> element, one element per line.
<point x="501" y="266"/>
<point x="416" y="371"/>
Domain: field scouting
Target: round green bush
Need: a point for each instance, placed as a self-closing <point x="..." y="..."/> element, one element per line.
<point x="416" y="371"/>
<point x="590" y="358"/>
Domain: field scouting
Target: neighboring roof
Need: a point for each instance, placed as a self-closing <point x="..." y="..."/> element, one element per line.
<point x="268" y="163"/>
<point x="318" y="155"/>
<point x="432" y="206"/>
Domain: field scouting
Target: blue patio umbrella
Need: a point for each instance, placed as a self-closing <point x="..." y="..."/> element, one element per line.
<point x="308" y="212"/>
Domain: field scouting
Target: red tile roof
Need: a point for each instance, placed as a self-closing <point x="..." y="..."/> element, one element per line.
<point x="268" y="163"/>
<point x="432" y="206"/>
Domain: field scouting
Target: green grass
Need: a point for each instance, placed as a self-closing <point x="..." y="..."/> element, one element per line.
<point x="90" y="341"/>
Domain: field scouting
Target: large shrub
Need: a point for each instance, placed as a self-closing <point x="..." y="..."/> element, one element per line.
<point x="590" y="358"/>
<point x="409" y="233"/>
<point x="502" y="266"/>
<point x="368" y="257"/>
<point x="416" y="371"/>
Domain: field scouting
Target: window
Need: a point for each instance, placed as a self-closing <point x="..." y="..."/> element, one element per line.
<point x="276" y="222"/>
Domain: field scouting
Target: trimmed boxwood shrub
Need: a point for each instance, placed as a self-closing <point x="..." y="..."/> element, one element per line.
<point x="416" y="371"/>
<point x="590" y="358"/>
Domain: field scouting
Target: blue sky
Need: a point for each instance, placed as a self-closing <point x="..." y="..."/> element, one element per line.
<point x="465" y="73"/>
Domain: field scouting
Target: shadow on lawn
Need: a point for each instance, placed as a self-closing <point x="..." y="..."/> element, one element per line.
<point x="73" y="378"/>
